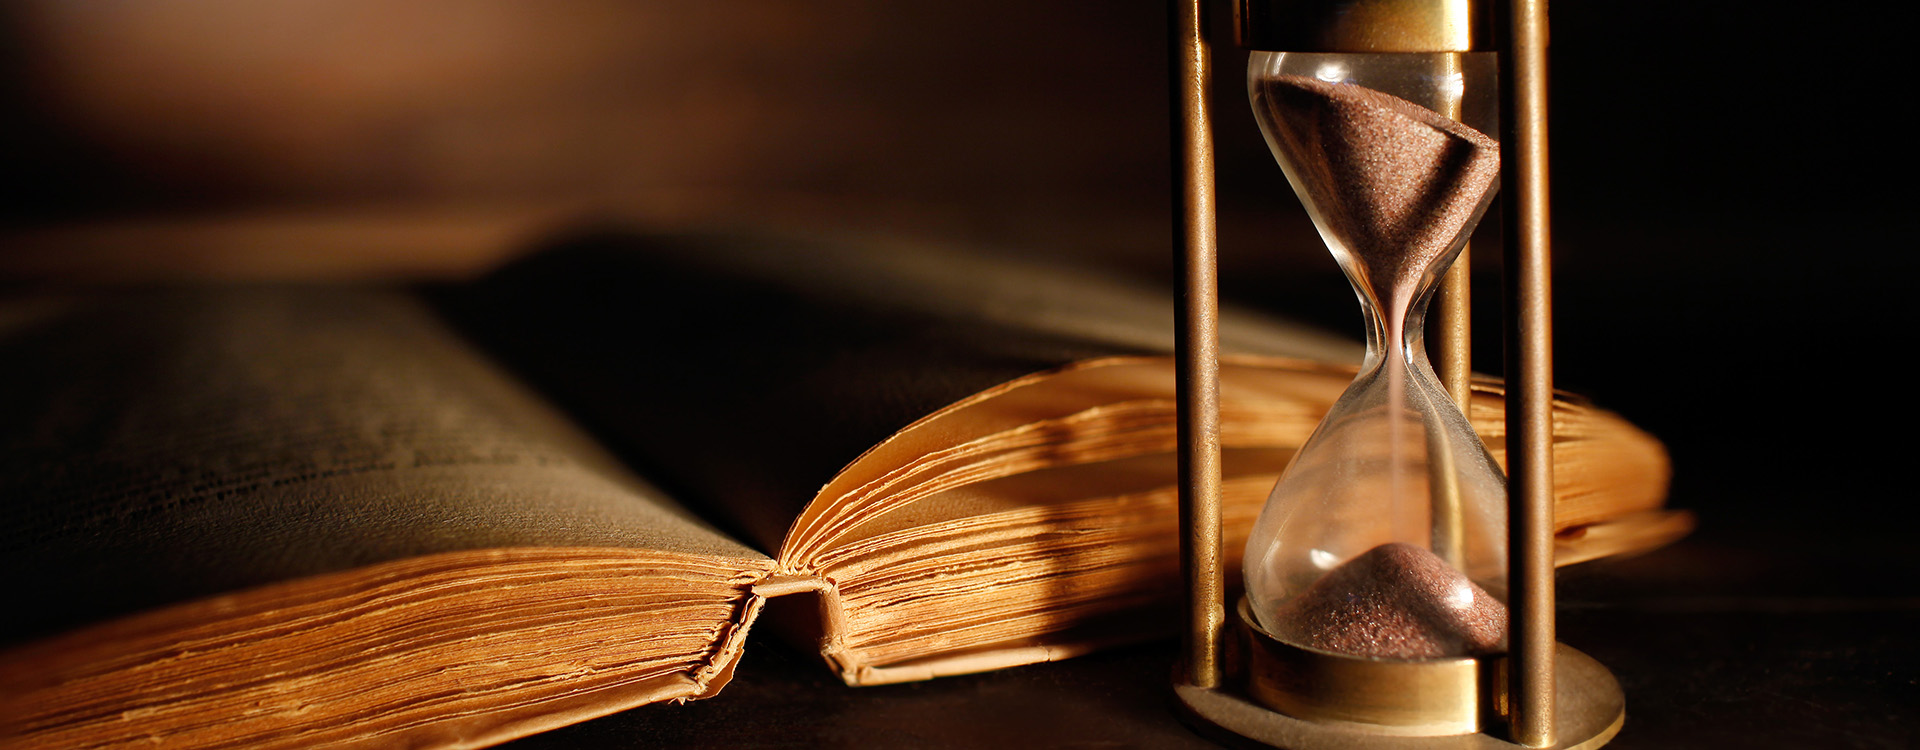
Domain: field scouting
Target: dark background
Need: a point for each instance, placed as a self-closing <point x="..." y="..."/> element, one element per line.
<point x="1728" y="272"/>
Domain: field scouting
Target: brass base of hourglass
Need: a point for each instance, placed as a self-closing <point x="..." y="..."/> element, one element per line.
<point x="1301" y="699"/>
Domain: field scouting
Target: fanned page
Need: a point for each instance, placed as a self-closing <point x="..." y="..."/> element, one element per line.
<point x="299" y="517"/>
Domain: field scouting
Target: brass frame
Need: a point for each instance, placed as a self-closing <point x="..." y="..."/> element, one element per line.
<point x="1551" y="695"/>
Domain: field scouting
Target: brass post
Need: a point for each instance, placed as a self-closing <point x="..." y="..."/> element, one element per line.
<point x="1529" y="353"/>
<point x="1455" y="327"/>
<point x="1453" y="323"/>
<point x="1197" y="343"/>
<point x="1455" y="332"/>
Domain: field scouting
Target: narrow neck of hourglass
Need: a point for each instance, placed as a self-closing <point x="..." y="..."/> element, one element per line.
<point x="1395" y="318"/>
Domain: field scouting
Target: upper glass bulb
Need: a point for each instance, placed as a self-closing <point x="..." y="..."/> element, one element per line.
<point x="1386" y="535"/>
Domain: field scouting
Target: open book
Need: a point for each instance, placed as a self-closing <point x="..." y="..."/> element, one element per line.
<point x="247" y="517"/>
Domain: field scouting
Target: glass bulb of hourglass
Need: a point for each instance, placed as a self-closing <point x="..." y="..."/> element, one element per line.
<point x="1386" y="535"/>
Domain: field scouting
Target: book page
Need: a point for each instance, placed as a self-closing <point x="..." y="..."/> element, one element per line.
<point x="165" y="446"/>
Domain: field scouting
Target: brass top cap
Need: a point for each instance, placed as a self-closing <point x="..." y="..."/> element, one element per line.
<point x="1363" y="25"/>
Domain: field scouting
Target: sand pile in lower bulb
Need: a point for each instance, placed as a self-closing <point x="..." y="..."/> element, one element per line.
<point x="1395" y="601"/>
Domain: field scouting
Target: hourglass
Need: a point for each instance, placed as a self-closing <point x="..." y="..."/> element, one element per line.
<point x="1385" y="538"/>
<point x="1377" y="609"/>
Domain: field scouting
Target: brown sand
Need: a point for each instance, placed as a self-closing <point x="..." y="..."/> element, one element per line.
<point x="1395" y="601"/>
<point x="1397" y="181"/>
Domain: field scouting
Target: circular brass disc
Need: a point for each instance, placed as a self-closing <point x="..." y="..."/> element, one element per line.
<point x="1422" y="698"/>
<point x="1588" y="704"/>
